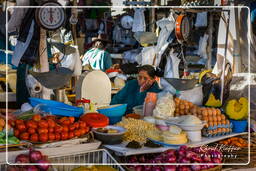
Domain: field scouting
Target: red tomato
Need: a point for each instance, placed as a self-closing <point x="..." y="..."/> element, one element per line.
<point x="83" y="131"/>
<point x="42" y="131"/>
<point x="16" y="133"/>
<point x="76" y="125"/>
<point x="51" y="123"/>
<point x="51" y="130"/>
<point x="51" y="136"/>
<point x="43" y="137"/>
<point x="82" y="124"/>
<point x="72" y="127"/>
<point x="31" y="124"/>
<point x="34" y="138"/>
<point x="62" y="119"/>
<point x="65" y="129"/>
<point x="43" y="124"/>
<point x="24" y="136"/>
<point x="51" y="117"/>
<point x="57" y="136"/>
<point x="36" y="117"/>
<point x="77" y="133"/>
<point x="65" y="122"/>
<point x="71" y="135"/>
<point x="72" y="119"/>
<point x="58" y="129"/>
<point x="18" y="122"/>
<point x="11" y="122"/>
<point x="64" y="135"/>
<point x="31" y="130"/>
<point x="21" y="127"/>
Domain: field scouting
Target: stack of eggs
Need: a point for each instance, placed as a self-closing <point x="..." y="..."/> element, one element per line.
<point x="217" y="123"/>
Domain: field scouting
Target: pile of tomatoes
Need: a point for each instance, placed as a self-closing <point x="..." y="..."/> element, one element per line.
<point x="49" y="128"/>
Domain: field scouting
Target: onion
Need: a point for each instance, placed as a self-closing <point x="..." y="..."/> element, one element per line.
<point x="170" y="152"/>
<point x="195" y="167"/>
<point x="142" y="159"/>
<point x="169" y="168"/>
<point x="158" y="159"/>
<point x="34" y="156"/>
<point x="133" y="159"/>
<point x="216" y="160"/>
<point x="43" y="165"/>
<point x="190" y="154"/>
<point x="183" y="147"/>
<point x="203" y="167"/>
<point x="32" y="168"/>
<point x="147" y="168"/>
<point x="197" y="150"/>
<point x="206" y="158"/>
<point x="156" y="168"/>
<point x="196" y="158"/>
<point x="12" y="168"/>
<point x="171" y="159"/>
<point x="138" y="168"/>
<point x="184" y="168"/>
<point x="185" y="160"/>
<point x="22" y="158"/>
<point x="181" y="152"/>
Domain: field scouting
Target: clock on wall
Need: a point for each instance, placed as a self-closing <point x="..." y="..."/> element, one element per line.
<point x="51" y="16"/>
<point x="126" y="22"/>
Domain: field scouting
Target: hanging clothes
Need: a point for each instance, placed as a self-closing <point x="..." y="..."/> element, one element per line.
<point x="167" y="26"/>
<point x="117" y="34"/>
<point x="139" y="20"/>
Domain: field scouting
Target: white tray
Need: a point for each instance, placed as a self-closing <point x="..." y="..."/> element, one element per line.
<point x="121" y="150"/>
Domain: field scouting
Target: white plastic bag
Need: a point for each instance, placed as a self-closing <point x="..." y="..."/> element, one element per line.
<point x="202" y="46"/>
<point x="139" y="20"/>
<point x="165" y="107"/>
<point x="201" y="19"/>
<point x="148" y="55"/>
<point x="194" y="95"/>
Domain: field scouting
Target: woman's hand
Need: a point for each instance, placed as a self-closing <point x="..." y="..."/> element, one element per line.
<point x="146" y="85"/>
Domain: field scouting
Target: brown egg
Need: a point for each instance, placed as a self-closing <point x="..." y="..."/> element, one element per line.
<point x="215" y="131"/>
<point x="223" y="122"/>
<point x="193" y="110"/>
<point x="214" y="118"/>
<point x="218" y="112"/>
<point x="215" y="123"/>
<point x="182" y="112"/>
<point x="182" y="106"/>
<point x="218" y="118"/>
<point x="223" y="117"/>
<point x="190" y="104"/>
<point x="214" y="112"/>
<point x="205" y="118"/>
<point x="227" y="121"/>
<point x="219" y="122"/>
<point x="211" y="123"/>
<point x="207" y="125"/>
<point x="223" y="129"/>
<point x="209" y="111"/>
<point x="205" y="113"/>
<point x="210" y="118"/>
<point x="219" y="130"/>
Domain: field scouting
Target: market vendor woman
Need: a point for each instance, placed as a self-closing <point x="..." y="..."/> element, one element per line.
<point x="135" y="91"/>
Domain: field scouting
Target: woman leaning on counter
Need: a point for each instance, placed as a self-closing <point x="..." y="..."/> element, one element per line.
<point x="135" y="91"/>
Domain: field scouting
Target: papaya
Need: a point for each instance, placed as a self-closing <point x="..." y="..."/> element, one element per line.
<point x="237" y="109"/>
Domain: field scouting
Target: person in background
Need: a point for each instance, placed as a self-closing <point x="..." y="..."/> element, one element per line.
<point x="135" y="91"/>
<point x="97" y="58"/>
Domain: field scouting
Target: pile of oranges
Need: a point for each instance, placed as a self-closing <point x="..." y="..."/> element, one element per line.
<point x="49" y="128"/>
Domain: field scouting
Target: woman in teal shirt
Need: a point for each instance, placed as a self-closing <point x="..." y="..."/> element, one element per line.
<point x="97" y="57"/>
<point x="135" y="91"/>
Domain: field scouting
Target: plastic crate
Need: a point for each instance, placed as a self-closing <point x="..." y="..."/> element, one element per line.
<point x="97" y="157"/>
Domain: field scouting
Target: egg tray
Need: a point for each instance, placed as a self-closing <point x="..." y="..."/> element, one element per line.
<point x="205" y="131"/>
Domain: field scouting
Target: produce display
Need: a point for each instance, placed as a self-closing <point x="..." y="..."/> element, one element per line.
<point x="95" y="120"/>
<point x="94" y="168"/>
<point x="136" y="129"/>
<point x="49" y="128"/>
<point x="34" y="156"/>
<point x="237" y="109"/>
<point x="217" y="123"/>
<point x="2" y="124"/>
<point x="235" y="141"/>
<point x="11" y="139"/>
<point x="182" y="155"/>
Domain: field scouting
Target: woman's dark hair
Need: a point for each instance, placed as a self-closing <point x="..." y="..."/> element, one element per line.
<point x="152" y="72"/>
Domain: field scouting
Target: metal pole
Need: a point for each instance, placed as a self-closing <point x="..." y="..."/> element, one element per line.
<point x="209" y="66"/>
<point x="224" y="60"/>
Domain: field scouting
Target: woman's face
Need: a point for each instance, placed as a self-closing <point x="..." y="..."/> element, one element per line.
<point x="144" y="78"/>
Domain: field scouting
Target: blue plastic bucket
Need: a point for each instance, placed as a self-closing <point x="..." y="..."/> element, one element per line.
<point x="239" y="126"/>
<point x="114" y="112"/>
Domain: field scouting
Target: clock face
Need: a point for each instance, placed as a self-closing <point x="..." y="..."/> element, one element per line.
<point x="50" y="18"/>
<point x="127" y="22"/>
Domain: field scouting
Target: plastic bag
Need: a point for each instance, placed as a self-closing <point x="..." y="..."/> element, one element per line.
<point x="139" y="20"/>
<point x="117" y="34"/>
<point x="201" y="19"/>
<point x="148" y="55"/>
<point x="165" y="107"/>
<point x="203" y="46"/>
<point x="194" y="95"/>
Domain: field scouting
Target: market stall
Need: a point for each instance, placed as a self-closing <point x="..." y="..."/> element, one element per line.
<point x="149" y="86"/>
